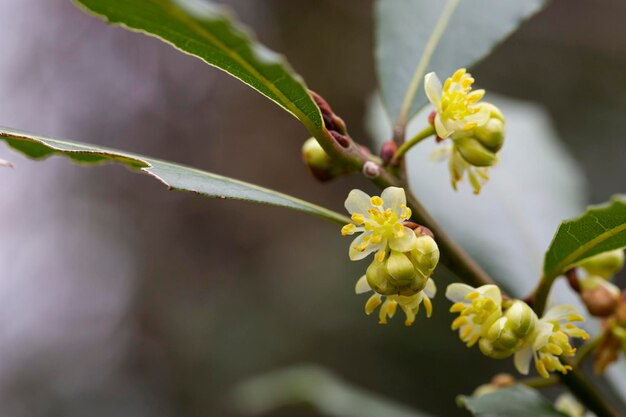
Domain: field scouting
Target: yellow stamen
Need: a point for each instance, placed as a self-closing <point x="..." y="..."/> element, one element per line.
<point x="457" y="307"/>
<point x="376" y="201"/>
<point x="358" y="218"/>
<point x="348" y="229"/>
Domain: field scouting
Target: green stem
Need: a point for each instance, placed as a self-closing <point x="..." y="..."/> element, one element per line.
<point x="404" y="148"/>
<point x="586" y="350"/>
<point x="541" y="293"/>
<point x="588" y="395"/>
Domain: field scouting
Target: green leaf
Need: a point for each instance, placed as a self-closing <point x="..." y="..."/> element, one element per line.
<point x="516" y="401"/>
<point x="207" y="31"/>
<point x="414" y="37"/>
<point x="175" y="177"/>
<point x="317" y="387"/>
<point x="600" y="229"/>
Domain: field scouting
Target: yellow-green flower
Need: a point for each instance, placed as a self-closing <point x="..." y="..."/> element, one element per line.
<point x="455" y="103"/>
<point x="379" y="219"/>
<point x="410" y="304"/>
<point x="459" y="167"/>
<point x="550" y="340"/>
<point x="478" y="308"/>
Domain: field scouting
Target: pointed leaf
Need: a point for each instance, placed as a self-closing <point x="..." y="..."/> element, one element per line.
<point x="441" y="35"/>
<point x="207" y="31"/>
<point x="174" y="176"/>
<point x="600" y="229"/>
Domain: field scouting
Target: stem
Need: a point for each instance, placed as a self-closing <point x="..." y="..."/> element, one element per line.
<point x="588" y="395"/>
<point x="429" y="49"/>
<point x="540" y="382"/>
<point x="404" y="148"/>
<point x="540" y="295"/>
<point x="586" y="350"/>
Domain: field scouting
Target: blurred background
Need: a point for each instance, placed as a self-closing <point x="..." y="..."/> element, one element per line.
<point x="120" y="298"/>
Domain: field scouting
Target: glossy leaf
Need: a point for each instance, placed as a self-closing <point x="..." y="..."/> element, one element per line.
<point x="516" y="401"/>
<point x="317" y="387"/>
<point x="407" y="35"/>
<point x="208" y="32"/>
<point x="600" y="229"/>
<point x="175" y="177"/>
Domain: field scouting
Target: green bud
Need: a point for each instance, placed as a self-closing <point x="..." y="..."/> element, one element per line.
<point x="318" y="161"/>
<point x="605" y="264"/>
<point x="502" y="335"/>
<point x="494" y="112"/>
<point x="425" y="256"/>
<point x="474" y="152"/>
<point x="488" y="348"/>
<point x="401" y="270"/>
<point x="378" y="278"/>
<point x="491" y="134"/>
<point x="520" y="319"/>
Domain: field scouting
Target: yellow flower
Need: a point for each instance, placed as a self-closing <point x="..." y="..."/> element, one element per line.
<point x="410" y="304"/>
<point x="478" y="308"/>
<point x="455" y="102"/>
<point x="550" y="340"/>
<point x="459" y="167"/>
<point x="380" y="222"/>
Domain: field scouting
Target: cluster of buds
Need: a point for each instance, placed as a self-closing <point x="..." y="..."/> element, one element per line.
<point x="476" y="129"/>
<point x="592" y="279"/>
<point x="504" y="328"/>
<point x="406" y="254"/>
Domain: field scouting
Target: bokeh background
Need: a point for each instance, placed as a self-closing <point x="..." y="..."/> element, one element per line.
<point x="120" y="298"/>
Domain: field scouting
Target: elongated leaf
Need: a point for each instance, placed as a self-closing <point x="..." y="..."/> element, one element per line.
<point x="517" y="401"/>
<point x="315" y="386"/>
<point x="175" y="177"/>
<point x="206" y="31"/>
<point x="406" y="35"/>
<point x="600" y="229"/>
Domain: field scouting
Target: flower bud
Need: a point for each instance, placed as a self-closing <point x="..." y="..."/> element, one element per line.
<point x="605" y="264"/>
<point x="491" y="134"/>
<point x="489" y="349"/>
<point x="378" y="278"/>
<point x="474" y="152"/>
<point x="600" y="301"/>
<point x="401" y="270"/>
<point x="520" y="319"/>
<point x="425" y="256"/>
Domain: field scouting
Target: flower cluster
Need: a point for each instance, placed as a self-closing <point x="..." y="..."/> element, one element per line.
<point x="404" y="258"/>
<point x="476" y="129"/>
<point x="505" y="328"/>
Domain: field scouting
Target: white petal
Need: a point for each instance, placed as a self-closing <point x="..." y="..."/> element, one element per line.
<point x="355" y="255"/>
<point x="406" y="243"/>
<point x="441" y="153"/>
<point x="491" y="291"/>
<point x="433" y="88"/>
<point x="522" y="360"/>
<point x="430" y="289"/>
<point x="362" y="285"/>
<point x="357" y="202"/>
<point x="543" y="331"/>
<point x="456" y="292"/>
<point x="394" y="198"/>
<point x="560" y="312"/>
<point x="441" y="129"/>
<point x="481" y="117"/>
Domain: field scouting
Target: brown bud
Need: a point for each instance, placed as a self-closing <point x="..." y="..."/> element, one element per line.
<point x="342" y="140"/>
<point x="503" y="380"/>
<point x="387" y="151"/>
<point x="620" y="310"/>
<point x="599" y="301"/>
<point x="431" y="117"/>
<point x="606" y="352"/>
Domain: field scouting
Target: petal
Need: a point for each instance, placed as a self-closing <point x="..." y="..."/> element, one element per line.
<point x="560" y="312"/>
<point x="441" y="129"/>
<point x="357" y="202"/>
<point x="480" y="117"/>
<point x="491" y="291"/>
<point x="430" y="289"/>
<point x="394" y="198"/>
<point x="406" y="243"/>
<point x="355" y="255"/>
<point x="362" y="285"/>
<point x="440" y="153"/>
<point x="433" y="88"/>
<point x="522" y="360"/>
<point x="543" y="331"/>
<point x="456" y="292"/>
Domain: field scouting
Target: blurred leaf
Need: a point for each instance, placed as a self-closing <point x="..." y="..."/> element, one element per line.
<point x="516" y="401"/>
<point x="404" y="37"/>
<point x="600" y="229"/>
<point x="317" y="387"/>
<point x="208" y="32"/>
<point x="508" y="227"/>
<point x="175" y="177"/>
